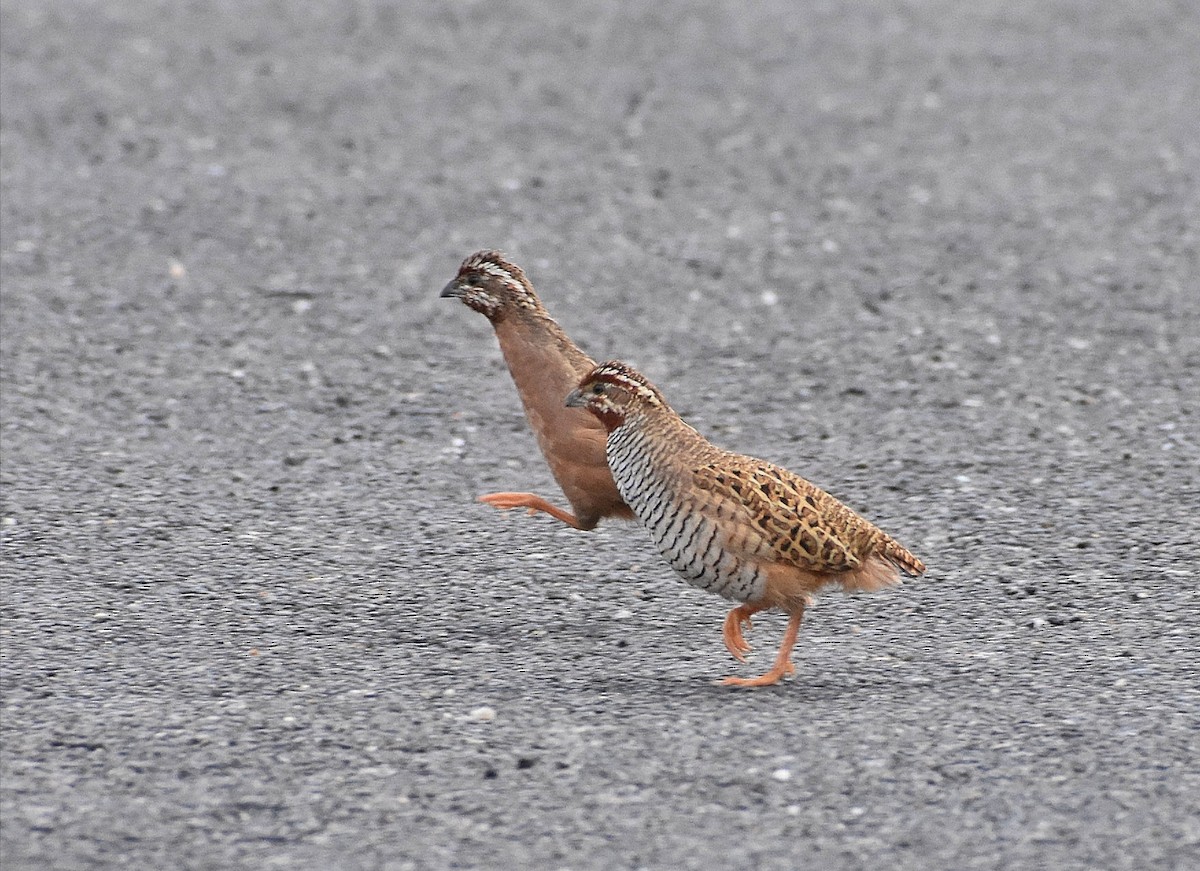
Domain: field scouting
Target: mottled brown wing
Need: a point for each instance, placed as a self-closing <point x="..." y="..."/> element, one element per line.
<point x="794" y="521"/>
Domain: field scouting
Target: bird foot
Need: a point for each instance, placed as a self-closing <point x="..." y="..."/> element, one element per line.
<point x="731" y="631"/>
<point x="778" y="672"/>
<point x="534" y="503"/>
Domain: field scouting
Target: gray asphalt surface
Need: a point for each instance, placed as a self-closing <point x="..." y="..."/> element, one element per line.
<point x="940" y="258"/>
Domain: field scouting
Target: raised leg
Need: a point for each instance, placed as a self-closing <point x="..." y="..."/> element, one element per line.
<point x="731" y="632"/>
<point x="783" y="661"/>
<point x="533" y="503"/>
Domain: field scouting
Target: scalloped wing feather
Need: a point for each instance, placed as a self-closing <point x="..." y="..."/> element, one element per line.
<point x="787" y="519"/>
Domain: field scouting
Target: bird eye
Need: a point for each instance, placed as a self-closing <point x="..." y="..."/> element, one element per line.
<point x="597" y="388"/>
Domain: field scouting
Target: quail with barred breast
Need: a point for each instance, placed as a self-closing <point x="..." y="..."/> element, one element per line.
<point x="740" y="527"/>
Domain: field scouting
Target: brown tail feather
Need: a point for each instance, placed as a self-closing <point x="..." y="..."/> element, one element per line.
<point x="895" y="553"/>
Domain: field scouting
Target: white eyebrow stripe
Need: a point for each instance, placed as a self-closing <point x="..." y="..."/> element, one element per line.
<point x="624" y="377"/>
<point x="494" y="269"/>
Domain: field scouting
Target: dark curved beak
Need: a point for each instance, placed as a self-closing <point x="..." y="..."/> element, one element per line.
<point x="453" y="289"/>
<point x="575" y="399"/>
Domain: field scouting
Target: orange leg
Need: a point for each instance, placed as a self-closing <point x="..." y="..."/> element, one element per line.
<point x="731" y="632"/>
<point x="533" y="503"/>
<point x="783" y="661"/>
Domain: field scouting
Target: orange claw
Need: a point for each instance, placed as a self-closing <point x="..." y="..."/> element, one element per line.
<point x="776" y="673"/>
<point x="731" y="632"/>
<point x="783" y="661"/>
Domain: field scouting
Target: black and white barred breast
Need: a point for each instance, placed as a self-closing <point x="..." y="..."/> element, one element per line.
<point x="687" y="535"/>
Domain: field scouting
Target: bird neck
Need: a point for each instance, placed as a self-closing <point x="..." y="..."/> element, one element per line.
<point x="652" y="453"/>
<point x="661" y="426"/>
<point x="544" y="363"/>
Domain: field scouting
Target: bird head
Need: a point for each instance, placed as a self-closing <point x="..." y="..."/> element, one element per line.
<point x="615" y="392"/>
<point x="492" y="286"/>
